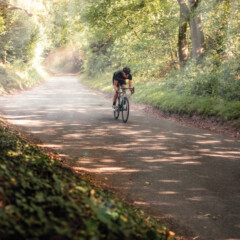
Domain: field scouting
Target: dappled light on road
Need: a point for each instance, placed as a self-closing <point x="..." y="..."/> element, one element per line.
<point x="173" y="171"/>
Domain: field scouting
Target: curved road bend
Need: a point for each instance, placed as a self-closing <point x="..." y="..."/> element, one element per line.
<point x="184" y="174"/>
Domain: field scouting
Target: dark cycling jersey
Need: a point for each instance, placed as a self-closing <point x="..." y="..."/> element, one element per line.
<point x="120" y="78"/>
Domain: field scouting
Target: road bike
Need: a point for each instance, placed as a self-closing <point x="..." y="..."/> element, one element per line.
<point x="122" y="105"/>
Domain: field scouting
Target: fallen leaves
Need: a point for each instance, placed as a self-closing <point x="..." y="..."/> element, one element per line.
<point x="13" y="181"/>
<point x="92" y="192"/>
<point x="125" y="219"/>
<point x="209" y="215"/>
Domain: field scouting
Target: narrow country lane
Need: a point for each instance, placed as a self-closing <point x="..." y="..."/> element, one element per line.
<point x="186" y="176"/>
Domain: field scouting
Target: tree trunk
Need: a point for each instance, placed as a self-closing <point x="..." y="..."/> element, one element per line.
<point x="197" y="36"/>
<point x="182" y="35"/>
<point x="189" y="15"/>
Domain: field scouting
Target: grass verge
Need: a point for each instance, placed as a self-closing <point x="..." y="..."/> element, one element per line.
<point x="40" y="199"/>
<point x="152" y="92"/>
<point x="17" y="77"/>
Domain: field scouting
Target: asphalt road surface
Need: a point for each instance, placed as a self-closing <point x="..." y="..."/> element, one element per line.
<point x="188" y="177"/>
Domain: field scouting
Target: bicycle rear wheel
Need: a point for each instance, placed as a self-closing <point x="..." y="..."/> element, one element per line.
<point x="125" y="110"/>
<point x="116" y="111"/>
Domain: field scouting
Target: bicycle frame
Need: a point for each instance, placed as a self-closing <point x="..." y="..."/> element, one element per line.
<point x="123" y="93"/>
<point x="123" y="105"/>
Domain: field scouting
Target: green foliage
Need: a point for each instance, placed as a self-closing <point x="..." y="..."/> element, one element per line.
<point x="20" y="37"/>
<point x="41" y="199"/>
<point x="26" y="39"/>
<point x="142" y="34"/>
<point x="19" y="76"/>
<point x="219" y="80"/>
<point x="172" y="95"/>
<point x="122" y="33"/>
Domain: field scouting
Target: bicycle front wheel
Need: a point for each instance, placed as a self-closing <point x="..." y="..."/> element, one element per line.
<point x="116" y="111"/>
<point x="125" y="110"/>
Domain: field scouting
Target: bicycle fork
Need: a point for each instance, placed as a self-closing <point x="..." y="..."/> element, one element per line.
<point x="121" y="103"/>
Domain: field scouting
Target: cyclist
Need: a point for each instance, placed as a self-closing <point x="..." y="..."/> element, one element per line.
<point x="119" y="79"/>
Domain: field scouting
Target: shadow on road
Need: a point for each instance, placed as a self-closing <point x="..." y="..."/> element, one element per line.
<point x="188" y="175"/>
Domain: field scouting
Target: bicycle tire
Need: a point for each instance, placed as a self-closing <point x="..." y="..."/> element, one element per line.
<point x="125" y="110"/>
<point x="116" y="111"/>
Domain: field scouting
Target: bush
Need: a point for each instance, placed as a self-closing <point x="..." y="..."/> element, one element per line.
<point x="207" y="79"/>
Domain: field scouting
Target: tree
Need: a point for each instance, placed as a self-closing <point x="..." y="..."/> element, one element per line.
<point x="4" y="4"/>
<point x="182" y="35"/>
<point x="197" y="36"/>
<point x="189" y="15"/>
<point x="6" y="26"/>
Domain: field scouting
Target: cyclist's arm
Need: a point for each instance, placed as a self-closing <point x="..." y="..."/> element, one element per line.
<point x="115" y="85"/>
<point x="130" y="86"/>
<point x="130" y="83"/>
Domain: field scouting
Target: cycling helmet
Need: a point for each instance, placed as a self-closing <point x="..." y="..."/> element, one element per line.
<point x="127" y="70"/>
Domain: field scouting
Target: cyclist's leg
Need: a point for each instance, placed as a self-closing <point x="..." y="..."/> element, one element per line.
<point x="123" y="86"/>
<point x="115" y="97"/>
<point x="115" y="85"/>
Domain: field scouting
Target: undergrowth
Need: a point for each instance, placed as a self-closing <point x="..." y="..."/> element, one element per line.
<point x="208" y="89"/>
<point x="40" y="199"/>
<point x="18" y="77"/>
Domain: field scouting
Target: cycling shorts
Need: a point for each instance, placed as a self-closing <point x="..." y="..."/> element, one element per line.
<point x="120" y="82"/>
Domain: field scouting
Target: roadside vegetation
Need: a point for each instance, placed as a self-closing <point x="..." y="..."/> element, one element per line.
<point x="39" y="198"/>
<point x="21" y="46"/>
<point x="184" y="55"/>
<point x="18" y="77"/>
<point x="191" y="91"/>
